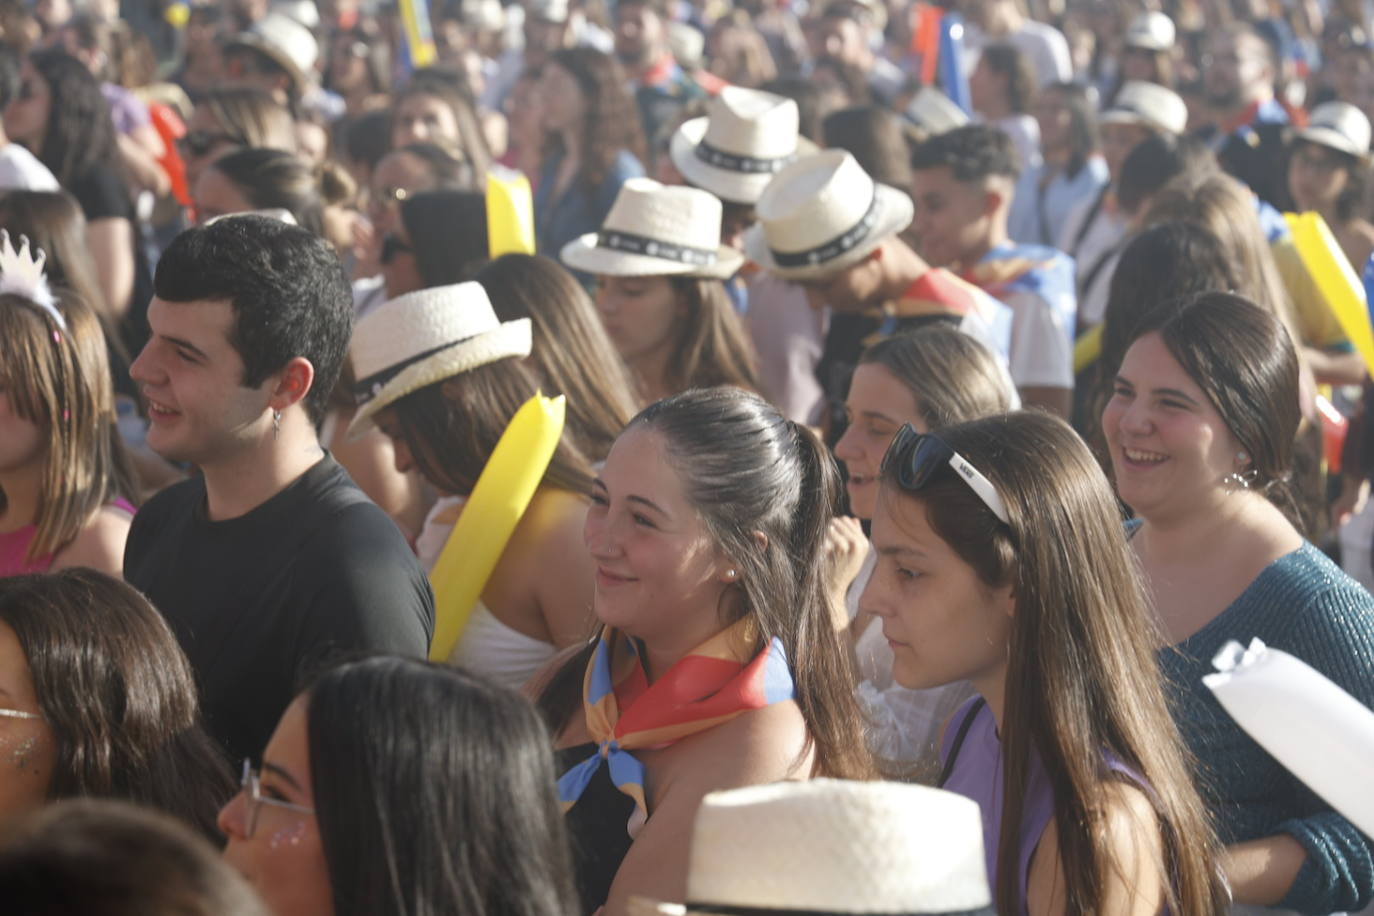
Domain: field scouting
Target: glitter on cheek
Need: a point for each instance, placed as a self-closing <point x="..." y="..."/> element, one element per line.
<point x="287" y="836"/>
<point x="21" y="754"/>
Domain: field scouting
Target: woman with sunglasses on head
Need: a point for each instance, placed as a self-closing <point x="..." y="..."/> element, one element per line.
<point x="393" y="787"/>
<point x="661" y="271"/>
<point x="707" y="529"/>
<point x="1001" y="562"/>
<point x="97" y="699"/>
<point x="1200" y="429"/>
<point x="929" y="378"/>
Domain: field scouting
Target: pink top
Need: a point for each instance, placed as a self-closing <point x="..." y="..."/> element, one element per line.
<point x="14" y="547"/>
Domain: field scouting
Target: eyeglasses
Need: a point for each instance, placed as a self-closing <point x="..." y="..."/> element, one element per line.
<point x="201" y="142"/>
<point x="917" y="456"/>
<point x="18" y="714"/>
<point x="252" y="792"/>
<point x="392" y="246"/>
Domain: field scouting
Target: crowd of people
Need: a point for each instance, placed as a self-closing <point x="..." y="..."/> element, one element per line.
<point x="944" y="388"/>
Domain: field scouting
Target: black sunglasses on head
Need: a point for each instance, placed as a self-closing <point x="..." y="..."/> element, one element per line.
<point x="915" y="457"/>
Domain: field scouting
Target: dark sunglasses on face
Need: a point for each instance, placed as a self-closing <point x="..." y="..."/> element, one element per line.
<point x="202" y="142"/>
<point x="393" y="246"/>
<point x="915" y="457"/>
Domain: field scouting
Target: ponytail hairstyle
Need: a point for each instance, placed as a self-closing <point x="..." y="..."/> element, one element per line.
<point x="271" y="179"/>
<point x="953" y="377"/>
<point x="1083" y="683"/>
<point x="712" y="346"/>
<point x="749" y="471"/>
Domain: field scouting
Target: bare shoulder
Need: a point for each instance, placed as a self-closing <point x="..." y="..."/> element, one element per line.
<point x="1136" y="874"/>
<point x="759" y="746"/>
<point x="100" y="545"/>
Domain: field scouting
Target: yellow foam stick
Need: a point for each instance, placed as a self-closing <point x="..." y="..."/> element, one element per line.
<point x="499" y="499"/>
<point x="1087" y="348"/>
<point x="510" y="214"/>
<point x="1336" y="280"/>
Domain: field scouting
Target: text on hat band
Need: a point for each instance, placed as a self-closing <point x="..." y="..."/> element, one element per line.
<point x="655" y="248"/>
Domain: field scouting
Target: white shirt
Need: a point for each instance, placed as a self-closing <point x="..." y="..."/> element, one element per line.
<point x="1043" y="44"/>
<point x="20" y="170"/>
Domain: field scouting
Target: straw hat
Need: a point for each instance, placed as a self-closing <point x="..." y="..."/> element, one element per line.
<point x="830" y="846"/>
<point x="656" y="230"/>
<point x="289" y="44"/>
<point x="1339" y="126"/>
<point x="933" y="111"/>
<point x="1150" y="31"/>
<point x="425" y="337"/>
<point x="746" y="138"/>
<point x="822" y="214"/>
<point x="1149" y="105"/>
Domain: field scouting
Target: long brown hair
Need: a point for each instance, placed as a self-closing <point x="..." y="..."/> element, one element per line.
<point x="452" y="427"/>
<point x="612" y="119"/>
<point x="51" y="382"/>
<point x="712" y="346"/>
<point x="1082" y="678"/>
<point x="748" y="470"/>
<point x="572" y="353"/>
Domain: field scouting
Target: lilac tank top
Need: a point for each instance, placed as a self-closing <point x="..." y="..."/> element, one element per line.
<point x="977" y="774"/>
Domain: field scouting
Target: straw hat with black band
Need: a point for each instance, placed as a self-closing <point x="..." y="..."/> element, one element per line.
<point x="656" y="230"/>
<point x="832" y="847"/>
<point x="424" y="337"/>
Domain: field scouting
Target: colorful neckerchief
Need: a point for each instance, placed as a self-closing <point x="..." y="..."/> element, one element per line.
<point x="705" y="688"/>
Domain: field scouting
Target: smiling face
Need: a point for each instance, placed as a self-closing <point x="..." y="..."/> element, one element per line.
<point x="943" y="623"/>
<point x="640" y="314"/>
<point x="952" y="220"/>
<point x="877" y="406"/>
<point x="192" y="377"/>
<point x="284" y="858"/>
<point x="659" y="576"/>
<point x="1170" y="449"/>
<point x="27" y="749"/>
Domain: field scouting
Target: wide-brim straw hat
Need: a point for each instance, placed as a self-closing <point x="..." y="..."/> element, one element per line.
<point x="1150" y="105"/>
<point x="746" y="138"/>
<point x="424" y="337"/>
<point x="656" y="230"/>
<point x="822" y="214"/>
<point x="1150" y="31"/>
<point x="831" y="846"/>
<point x="286" y="42"/>
<point x="933" y="111"/>
<point x="1339" y="126"/>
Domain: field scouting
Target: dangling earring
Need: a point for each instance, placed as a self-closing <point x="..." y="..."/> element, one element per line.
<point x="1239" y="480"/>
<point x="276" y="423"/>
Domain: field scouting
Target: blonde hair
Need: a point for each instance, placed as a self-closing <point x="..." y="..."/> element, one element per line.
<point x="58" y="378"/>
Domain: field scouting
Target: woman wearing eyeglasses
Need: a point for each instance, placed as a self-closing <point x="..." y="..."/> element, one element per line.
<point x="97" y="699"/>
<point x="392" y="787"/>
<point x="1200" y="429"/>
<point x="1001" y="562"/>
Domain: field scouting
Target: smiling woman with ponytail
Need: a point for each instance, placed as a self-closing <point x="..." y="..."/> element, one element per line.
<point x="706" y="528"/>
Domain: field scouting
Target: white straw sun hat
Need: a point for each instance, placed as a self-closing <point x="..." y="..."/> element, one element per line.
<point x="288" y="43"/>
<point x="1150" y="31"/>
<point x="1150" y="105"/>
<point x="933" y="111"/>
<point x="831" y="846"/>
<point x="1339" y="126"/>
<point x="656" y="230"/>
<point x="746" y="138"/>
<point x="425" y="337"/>
<point x="822" y="214"/>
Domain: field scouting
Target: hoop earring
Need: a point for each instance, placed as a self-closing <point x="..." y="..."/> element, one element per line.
<point x="276" y="423"/>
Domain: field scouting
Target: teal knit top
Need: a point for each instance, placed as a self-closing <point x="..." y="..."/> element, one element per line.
<point x="1305" y="605"/>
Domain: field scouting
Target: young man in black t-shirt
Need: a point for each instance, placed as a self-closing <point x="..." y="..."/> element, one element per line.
<point x="271" y="560"/>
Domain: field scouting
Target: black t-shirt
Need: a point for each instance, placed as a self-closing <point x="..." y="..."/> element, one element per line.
<point x="257" y="601"/>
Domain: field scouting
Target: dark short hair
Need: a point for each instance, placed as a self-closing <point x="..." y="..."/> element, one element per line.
<point x="106" y="858"/>
<point x="434" y="793"/>
<point x="286" y="286"/>
<point x="973" y="153"/>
